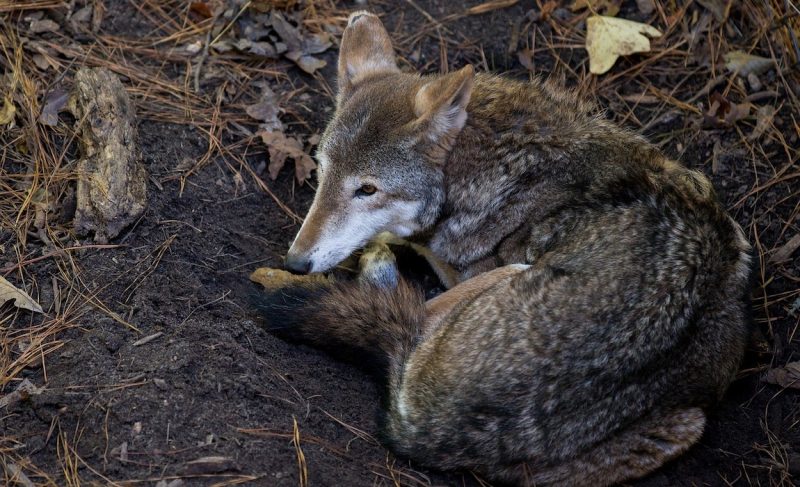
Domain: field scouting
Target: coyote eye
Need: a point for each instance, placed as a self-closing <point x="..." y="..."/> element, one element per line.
<point x="366" y="190"/>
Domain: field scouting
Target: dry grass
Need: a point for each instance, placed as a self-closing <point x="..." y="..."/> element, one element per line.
<point x="648" y="93"/>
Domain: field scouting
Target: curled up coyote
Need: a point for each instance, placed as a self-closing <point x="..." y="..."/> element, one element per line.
<point x="598" y="300"/>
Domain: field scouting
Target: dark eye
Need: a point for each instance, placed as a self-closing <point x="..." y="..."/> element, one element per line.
<point x="366" y="190"/>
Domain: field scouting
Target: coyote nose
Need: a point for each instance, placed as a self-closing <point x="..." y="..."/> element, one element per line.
<point x="298" y="264"/>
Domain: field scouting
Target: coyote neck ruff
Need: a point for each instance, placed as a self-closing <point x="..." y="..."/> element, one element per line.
<point x="602" y="303"/>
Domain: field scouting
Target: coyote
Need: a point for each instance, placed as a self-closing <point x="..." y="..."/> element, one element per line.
<point x="598" y="303"/>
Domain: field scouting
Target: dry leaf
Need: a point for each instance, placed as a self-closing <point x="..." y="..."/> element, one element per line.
<point x="46" y="25"/>
<point x="525" y="58"/>
<point x="646" y="7"/>
<point x="82" y="15"/>
<point x="300" y="48"/>
<point x="718" y="8"/>
<point x="282" y="147"/>
<point x="210" y="465"/>
<point x="7" y="111"/>
<point x="202" y="9"/>
<point x="764" y="117"/>
<point x="258" y="48"/>
<point x="56" y="101"/>
<point x="786" y="250"/>
<point x="608" y="38"/>
<point x="788" y="376"/>
<point x="9" y="292"/>
<point x="744" y="64"/>
<point x="266" y="110"/>
<point x="723" y="113"/>
<point x="307" y="63"/>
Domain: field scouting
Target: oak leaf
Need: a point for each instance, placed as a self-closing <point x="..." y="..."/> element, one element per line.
<point x="608" y="38"/>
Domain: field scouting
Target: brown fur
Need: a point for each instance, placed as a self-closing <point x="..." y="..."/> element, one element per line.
<point x="589" y="365"/>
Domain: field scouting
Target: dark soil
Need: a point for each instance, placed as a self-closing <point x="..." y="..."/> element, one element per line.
<point x="213" y="383"/>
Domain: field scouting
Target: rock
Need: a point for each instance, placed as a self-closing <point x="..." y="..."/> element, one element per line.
<point x="112" y="191"/>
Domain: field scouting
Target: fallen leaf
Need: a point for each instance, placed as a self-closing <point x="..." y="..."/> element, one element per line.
<point x="608" y="38"/>
<point x="489" y="6"/>
<point x="307" y="63"/>
<point x="258" y="48"/>
<point x="45" y="25"/>
<point x="280" y="148"/>
<point x="7" y="111"/>
<point x="40" y="62"/>
<point x="525" y="57"/>
<point x="606" y="7"/>
<point x="266" y="110"/>
<point x="743" y="64"/>
<point x="210" y="465"/>
<point x="788" y="376"/>
<point x="193" y="48"/>
<point x="82" y="15"/>
<point x="718" y="8"/>
<point x="723" y="113"/>
<point x="646" y="7"/>
<point x="55" y="102"/>
<point x="299" y="48"/>
<point x="786" y="250"/>
<point x="764" y="117"/>
<point x="201" y="8"/>
<point x="755" y="83"/>
<point x="9" y="292"/>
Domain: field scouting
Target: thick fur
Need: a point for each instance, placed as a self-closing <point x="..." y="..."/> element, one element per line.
<point x="590" y="367"/>
<point x="360" y="322"/>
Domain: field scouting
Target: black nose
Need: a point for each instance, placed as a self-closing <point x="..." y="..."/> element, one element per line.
<point x="300" y="265"/>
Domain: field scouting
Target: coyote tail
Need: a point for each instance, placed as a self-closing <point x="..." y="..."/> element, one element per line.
<point x="373" y="326"/>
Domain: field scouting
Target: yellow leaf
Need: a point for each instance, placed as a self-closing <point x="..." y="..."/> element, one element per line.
<point x="9" y="292"/>
<point x="7" y="111"/>
<point x="608" y="38"/>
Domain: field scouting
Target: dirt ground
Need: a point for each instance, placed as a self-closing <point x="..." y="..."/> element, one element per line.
<point x="148" y="356"/>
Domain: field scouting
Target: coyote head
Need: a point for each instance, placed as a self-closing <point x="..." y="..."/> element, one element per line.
<point x="381" y="156"/>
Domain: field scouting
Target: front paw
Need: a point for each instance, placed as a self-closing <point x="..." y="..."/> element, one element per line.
<point x="378" y="266"/>
<point x="275" y="279"/>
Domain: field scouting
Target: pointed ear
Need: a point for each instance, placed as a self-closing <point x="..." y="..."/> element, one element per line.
<point x="441" y="105"/>
<point x="366" y="49"/>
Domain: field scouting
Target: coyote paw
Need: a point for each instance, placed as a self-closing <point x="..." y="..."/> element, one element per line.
<point x="274" y="279"/>
<point x="378" y="265"/>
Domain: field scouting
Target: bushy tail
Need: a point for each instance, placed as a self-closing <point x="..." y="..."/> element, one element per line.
<point x="372" y="326"/>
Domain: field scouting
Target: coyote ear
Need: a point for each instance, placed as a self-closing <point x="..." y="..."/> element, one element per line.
<point x="441" y="105"/>
<point x="366" y="49"/>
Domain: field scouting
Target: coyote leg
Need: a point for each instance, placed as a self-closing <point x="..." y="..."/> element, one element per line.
<point x="632" y="453"/>
<point x="446" y="274"/>
<point x="438" y="308"/>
